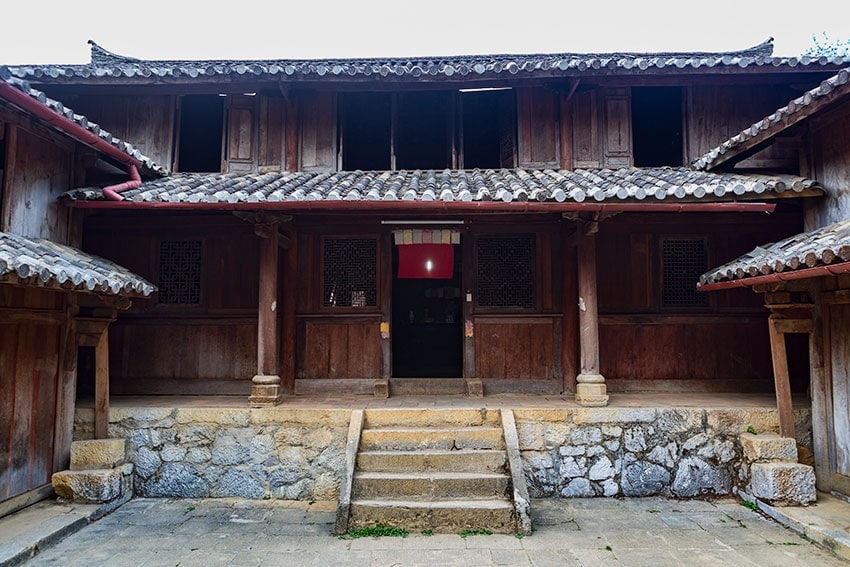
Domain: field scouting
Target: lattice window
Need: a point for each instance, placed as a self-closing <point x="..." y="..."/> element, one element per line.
<point x="349" y="272"/>
<point x="506" y="270"/>
<point x="180" y="272"/>
<point x="683" y="261"/>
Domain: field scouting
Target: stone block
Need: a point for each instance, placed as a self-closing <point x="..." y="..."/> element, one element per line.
<point x="474" y="388"/>
<point x="591" y="394"/>
<point x="98" y="454"/>
<point x="788" y="484"/>
<point x="89" y="486"/>
<point x="381" y="389"/>
<point x="768" y="447"/>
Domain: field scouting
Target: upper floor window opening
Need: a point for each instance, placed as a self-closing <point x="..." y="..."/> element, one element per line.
<point x="200" y="133"/>
<point x="657" y="130"/>
<point x="427" y="130"/>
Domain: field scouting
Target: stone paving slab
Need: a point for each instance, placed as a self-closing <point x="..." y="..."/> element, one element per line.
<point x="568" y="532"/>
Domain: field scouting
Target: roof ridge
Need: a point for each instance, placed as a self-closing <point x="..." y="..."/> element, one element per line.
<point x="101" y="56"/>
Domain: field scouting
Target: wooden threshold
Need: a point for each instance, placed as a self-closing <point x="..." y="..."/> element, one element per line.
<point x="28" y="498"/>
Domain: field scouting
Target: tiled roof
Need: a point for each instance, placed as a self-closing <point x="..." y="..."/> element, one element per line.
<point x="824" y="94"/>
<point x="149" y="167"/>
<point x="45" y="263"/>
<point x="106" y="66"/>
<point x="506" y="185"/>
<point x="829" y="245"/>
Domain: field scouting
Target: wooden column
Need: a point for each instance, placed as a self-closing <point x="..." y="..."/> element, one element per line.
<point x="66" y="391"/>
<point x="101" y="386"/>
<point x="290" y="290"/>
<point x="590" y="384"/>
<point x="821" y="392"/>
<point x="265" y="390"/>
<point x="780" y="377"/>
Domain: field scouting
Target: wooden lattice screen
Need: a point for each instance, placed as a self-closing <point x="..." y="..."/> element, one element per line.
<point x="180" y="272"/>
<point x="683" y="261"/>
<point x="506" y="270"/>
<point x="349" y="272"/>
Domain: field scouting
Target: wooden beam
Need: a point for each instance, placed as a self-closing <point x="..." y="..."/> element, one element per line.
<point x="781" y="379"/>
<point x="101" y="387"/>
<point x="793" y="325"/>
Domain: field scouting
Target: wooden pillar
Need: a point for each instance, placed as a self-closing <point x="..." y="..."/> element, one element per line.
<point x="590" y="384"/>
<point x="290" y="290"/>
<point x="569" y="325"/>
<point x="265" y="390"/>
<point x="820" y="387"/>
<point x="101" y="386"/>
<point x="66" y="392"/>
<point x="781" y="378"/>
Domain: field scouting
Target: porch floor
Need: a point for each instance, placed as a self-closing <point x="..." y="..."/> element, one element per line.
<point x="541" y="401"/>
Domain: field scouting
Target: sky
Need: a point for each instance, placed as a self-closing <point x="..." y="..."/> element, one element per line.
<point x="52" y="31"/>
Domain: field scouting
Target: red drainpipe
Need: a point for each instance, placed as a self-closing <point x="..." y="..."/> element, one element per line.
<point x="135" y="182"/>
<point x="66" y="125"/>
<point x="817" y="271"/>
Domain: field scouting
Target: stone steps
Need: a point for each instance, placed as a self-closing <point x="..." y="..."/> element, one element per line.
<point x="463" y="460"/>
<point x="99" y="472"/>
<point x="439" y="470"/>
<point x="430" y="484"/>
<point x="440" y="516"/>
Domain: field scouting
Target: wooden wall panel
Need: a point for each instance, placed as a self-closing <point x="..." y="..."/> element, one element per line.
<point x="271" y="133"/>
<point x="242" y="134"/>
<point x="537" y="124"/>
<point x="29" y="369"/>
<point x="713" y="114"/>
<point x="336" y="348"/>
<point x="178" y="355"/>
<point x="586" y="151"/>
<point x="616" y="128"/>
<point x="714" y="349"/>
<point x="831" y="143"/>
<point x="318" y="132"/>
<point x="514" y="348"/>
<point x="38" y="173"/>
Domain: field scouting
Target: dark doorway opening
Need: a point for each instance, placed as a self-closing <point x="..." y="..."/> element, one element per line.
<point x="427" y="337"/>
<point x="488" y="123"/>
<point x="423" y="130"/>
<point x="657" y="126"/>
<point x="365" y="127"/>
<point x="201" y="132"/>
<point x="797" y="351"/>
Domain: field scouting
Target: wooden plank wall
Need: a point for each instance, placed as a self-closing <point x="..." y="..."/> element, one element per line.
<point x="177" y="349"/>
<point x="31" y="327"/>
<point x="713" y="114"/>
<point x="641" y="341"/>
<point x="146" y="121"/>
<point x="831" y="148"/>
<point x="38" y="170"/>
<point x="516" y="347"/>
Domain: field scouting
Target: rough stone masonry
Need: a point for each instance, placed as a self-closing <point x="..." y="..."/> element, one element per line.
<point x="298" y="454"/>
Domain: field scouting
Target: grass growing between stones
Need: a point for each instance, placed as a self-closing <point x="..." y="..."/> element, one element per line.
<point x="466" y="533"/>
<point x="751" y="505"/>
<point x="378" y="530"/>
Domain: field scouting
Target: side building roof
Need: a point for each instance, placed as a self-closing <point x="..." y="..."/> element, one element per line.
<point x="820" y="252"/>
<point x="44" y="263"/>
<point x="59" y="115"/>
<point x="827" y="93"/>
<point x="108" y="67"/>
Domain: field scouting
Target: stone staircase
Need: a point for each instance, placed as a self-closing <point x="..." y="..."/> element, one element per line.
<point x="439" y="470"/>
<point x="99" y="473"/>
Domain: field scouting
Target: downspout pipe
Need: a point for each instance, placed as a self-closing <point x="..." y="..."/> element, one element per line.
<point x="111" y="192"/>
<point x="816" y="272"/>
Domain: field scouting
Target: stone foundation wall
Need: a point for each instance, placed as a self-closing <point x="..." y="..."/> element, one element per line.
<point x="639" y="452"/>
<point x="300" y="453"/>
<point x="292" y="454"/>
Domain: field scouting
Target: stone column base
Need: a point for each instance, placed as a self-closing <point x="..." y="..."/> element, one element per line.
<point x="381" y="389"/>
<point x="591" y="394"/>
<point x="474" y="388"/>
<point x="265" y="391"/>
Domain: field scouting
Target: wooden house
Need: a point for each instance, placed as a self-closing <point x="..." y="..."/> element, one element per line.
<point x="804" y="278"/>
<point x="510" y="223"/>
<point x="54" y="299"/>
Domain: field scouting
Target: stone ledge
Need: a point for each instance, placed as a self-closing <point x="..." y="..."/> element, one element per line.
<point x="96" y="454"/>
<point x="768" y="447"/>
<point x="93" y="486"/>
<point x="783" y="483"/>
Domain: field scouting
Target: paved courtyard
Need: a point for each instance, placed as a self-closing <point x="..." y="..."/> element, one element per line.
<point x="597" y="531"/>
